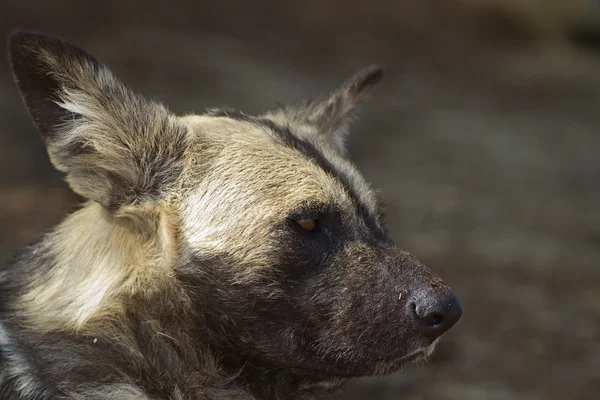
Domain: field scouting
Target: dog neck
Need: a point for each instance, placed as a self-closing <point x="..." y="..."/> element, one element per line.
<point x="82" y="267"/>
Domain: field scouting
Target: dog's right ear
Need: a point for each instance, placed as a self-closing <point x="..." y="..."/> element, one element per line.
<point x="116" y="147"/>
<point x="327" y="119"/>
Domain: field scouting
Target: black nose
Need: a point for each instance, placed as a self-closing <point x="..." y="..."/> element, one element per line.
<point x="436" y="309"/>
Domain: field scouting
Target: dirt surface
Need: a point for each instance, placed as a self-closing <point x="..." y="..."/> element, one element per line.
<point x="483" y="139"/>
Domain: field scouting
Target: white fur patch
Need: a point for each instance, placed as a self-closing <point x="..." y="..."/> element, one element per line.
<point x="112" y="392"/>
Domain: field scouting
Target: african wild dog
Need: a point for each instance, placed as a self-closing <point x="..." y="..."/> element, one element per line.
<point x="218" y="256"/>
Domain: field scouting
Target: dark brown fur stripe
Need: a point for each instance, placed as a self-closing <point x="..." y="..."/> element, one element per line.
<point x="311" y="151"/>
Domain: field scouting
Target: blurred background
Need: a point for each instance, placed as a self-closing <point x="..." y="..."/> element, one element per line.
<point x="484" y="139"/>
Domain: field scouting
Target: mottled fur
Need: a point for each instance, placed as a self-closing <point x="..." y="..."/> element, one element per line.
<point x="185" y="275"/>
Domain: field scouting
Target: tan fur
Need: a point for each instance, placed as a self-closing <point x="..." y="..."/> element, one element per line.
<point x="102" y="259"/>
<point x="221" y="184"/>
<point x="264" y="181"/>
<point x="100" y="262"/>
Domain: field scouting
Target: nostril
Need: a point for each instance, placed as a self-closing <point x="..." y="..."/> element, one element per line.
<point x="431" y="319"/>
<point x="434" y="319"/>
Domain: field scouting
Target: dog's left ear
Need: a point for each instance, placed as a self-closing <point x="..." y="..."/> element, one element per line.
<point x="115" y="147"/>
<point x="328" y="119"/>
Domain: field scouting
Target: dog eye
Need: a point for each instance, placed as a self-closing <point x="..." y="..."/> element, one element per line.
<point x="309" y="225"/>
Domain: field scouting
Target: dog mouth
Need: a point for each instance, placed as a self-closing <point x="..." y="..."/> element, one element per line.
<point x="394" y="364"/>
<point x="380" y="367"/>
<point x="397" y="362"/>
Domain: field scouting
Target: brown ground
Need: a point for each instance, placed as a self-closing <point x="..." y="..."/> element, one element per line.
<point x="484" y="139"/>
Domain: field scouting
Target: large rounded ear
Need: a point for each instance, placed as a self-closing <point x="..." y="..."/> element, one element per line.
<point x="116" y="147"/>
<point x="328" y="119"/>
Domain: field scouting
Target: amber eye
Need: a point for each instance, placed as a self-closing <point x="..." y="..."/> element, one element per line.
<point x="308" y="225"/>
